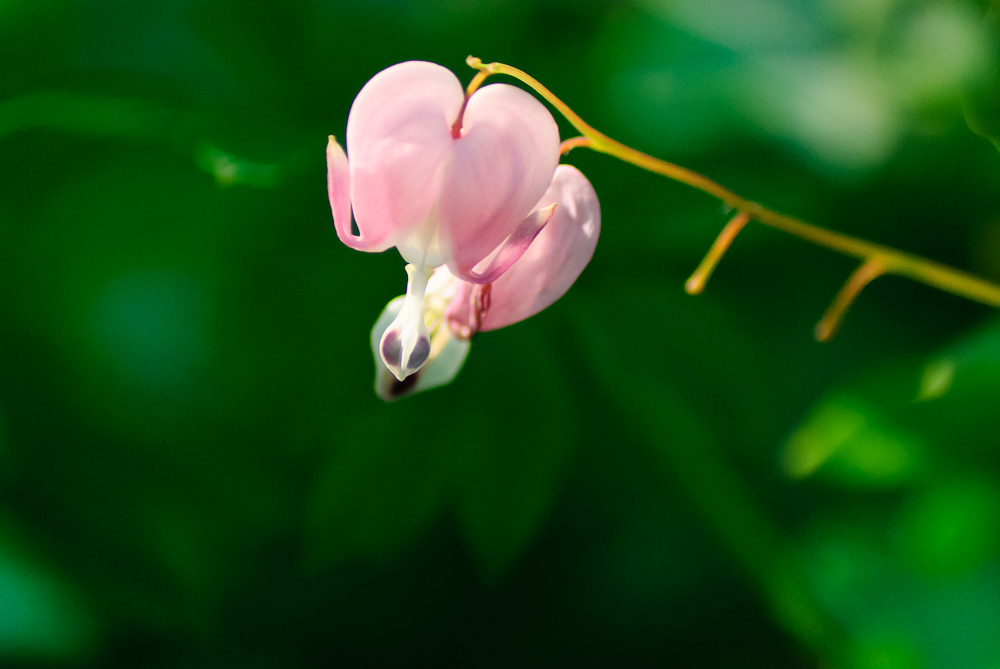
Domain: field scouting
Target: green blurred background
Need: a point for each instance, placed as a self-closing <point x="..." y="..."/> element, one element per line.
<point x="195" y="471"/>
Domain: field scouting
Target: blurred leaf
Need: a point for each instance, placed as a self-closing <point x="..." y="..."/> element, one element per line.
<point x="41" y="616"/>
<point x="381" y="484"/>
<point x="981" y="101"/>
<point x="841" y="92"/>
<point x="83" y="114"/>
<point x="897" y="615"/>
<point x="852" y="444"/>
<point x="953" y="527"/>
<point x="961" y="417"/>
<point x="36" y="39"/>
<point x="743" y="27"/>
<point x="4" y="449"/>
<point x="268" y="47"/>
<point x="939" y="50"/>
<point x="887" y="649"/>
<point x="229" y="169"/>
<point x="690" y="447"/>
<point x="936" y="380"/>
<point x="508" y="475"/>
<point x="896" y="425"/>
<point x="982" y="109"/>
<point x="173" y="124"/>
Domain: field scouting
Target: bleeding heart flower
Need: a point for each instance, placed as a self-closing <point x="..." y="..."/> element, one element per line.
<point x="453" y="183"/>
<point x="544" y="272"/>
<point x="455" y="309"/>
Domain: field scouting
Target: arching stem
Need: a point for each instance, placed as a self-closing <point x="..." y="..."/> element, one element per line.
<point x="891" y="260"/>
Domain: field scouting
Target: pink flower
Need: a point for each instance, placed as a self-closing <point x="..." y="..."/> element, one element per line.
<point x="465" y="187"/>
<point x="545" y="271"/>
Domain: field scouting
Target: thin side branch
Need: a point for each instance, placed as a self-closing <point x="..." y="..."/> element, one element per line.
<point x="697" y="282"/>
<point x="861" y="277"/>
<point x="573" y="143"/>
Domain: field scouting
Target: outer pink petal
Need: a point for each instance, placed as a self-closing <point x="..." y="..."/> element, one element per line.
<point x="557" y="256"/>
<point x="338" y="185"/>
<point x="501" y="166"/>
<point x="398" y="140"/>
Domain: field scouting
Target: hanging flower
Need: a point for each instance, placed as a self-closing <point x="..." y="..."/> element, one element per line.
<point x="455" y="310"/>
<point x="463" y="186"/>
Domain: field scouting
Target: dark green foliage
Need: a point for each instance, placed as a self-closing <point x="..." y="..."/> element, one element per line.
<point x="195" y="471"/>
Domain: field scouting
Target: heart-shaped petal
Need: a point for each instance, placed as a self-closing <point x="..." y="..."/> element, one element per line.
<point x="555" y="258"/>
<point x="399" y="143"/>
<point x="501" y="165"/>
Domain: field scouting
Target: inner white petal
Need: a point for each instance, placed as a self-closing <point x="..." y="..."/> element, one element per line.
<point x="406" y="345"/>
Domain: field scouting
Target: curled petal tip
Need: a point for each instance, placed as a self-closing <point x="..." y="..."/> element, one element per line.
<point x="556" y="257"/>
<point x="513" y="247"/>
<point x="338" y="185"/>
<point x="445" y="357"/>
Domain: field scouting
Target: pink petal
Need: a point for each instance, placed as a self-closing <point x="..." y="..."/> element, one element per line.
<point x="500" y="167"/>
<point x="399" y="140"/>
<point x="557" y="256"/>
<point x="338" y="185"/>
<point x="513" y="247"/>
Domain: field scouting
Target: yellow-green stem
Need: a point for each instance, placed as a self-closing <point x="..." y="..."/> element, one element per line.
<point x="891" y="260"/>
<point x="861" y="277"/>
<point x="697" y="282"/>
<point x="573" y="143"/>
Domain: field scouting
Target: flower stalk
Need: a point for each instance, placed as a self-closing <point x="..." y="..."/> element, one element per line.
<point x="884" y="259"/>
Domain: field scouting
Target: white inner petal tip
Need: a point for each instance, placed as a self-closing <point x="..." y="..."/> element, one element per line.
<point x="406" y="345"/>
